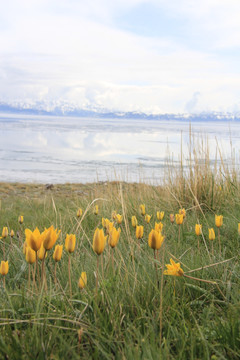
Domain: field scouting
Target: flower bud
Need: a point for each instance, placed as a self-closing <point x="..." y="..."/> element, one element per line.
<point x="70" y="243"/>
<point x="82" y="282"/>
<point x="30" y="255"/>
<point x="57" y="255"/>
<point x="4" y="268"/>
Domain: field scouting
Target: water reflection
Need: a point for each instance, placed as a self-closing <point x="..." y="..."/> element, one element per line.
<point x="51" y="149"/>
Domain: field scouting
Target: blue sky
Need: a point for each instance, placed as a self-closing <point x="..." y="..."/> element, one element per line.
<point x="155" y="56"/>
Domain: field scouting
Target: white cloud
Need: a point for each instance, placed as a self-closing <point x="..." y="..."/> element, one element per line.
<point x="56" y="51"/>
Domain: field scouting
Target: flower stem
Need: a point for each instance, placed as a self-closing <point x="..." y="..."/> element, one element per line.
<point x="219" y="241"/>
<point x="69" y="275"/>
<point x="155" y="258"/>
<point x="112" y="259"/>
<point x="55" y="273"/>
<point x="43" y="268"/>
<point x="38" y="274"/>
<point x="97" y="274"/>
<point x="29" y="276"/>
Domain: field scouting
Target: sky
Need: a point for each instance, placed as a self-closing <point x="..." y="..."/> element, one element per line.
<point x="153" y="56"/>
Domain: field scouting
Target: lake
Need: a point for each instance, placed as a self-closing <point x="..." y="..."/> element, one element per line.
<point x="50" y="149"/>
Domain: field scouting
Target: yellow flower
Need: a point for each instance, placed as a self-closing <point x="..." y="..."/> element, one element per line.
<point x="172" y="218"/>
<point x="4" y="268"/>
<point x="114" y="237"/>
<point x="139" y="232"/>
<point x="24" y="247"/>
<point x="238" y="228"/>
<point x="109" y="227"/>
<point x="118" y="218"/>
<point x="33" y="238"/>
<point x="155" y="239"/>
<point x="105" y="222"/>
<point x="79" y="212"/>
<point x="99" y="241"/>
<point x="20" y="219"/>
<point x="82" y="282"/>
<point x="198" y="229"/>
<point x="57" y="255"/>
<point x="114" y="214"/>
<point x="142" y="209"/>
<point x="51" y="237"/>
<point x="12" y="233"/>
<point x="4" y="232"/>
<point x="41" y="252"/>
<point x="182" y="212"/>
<point x="70" y="243"/>
<point x="160" y="215"/>
<point x="134" y="221"/>
<point x="30" y="255"/>
<point x="211" y="234"/>
<point x="218" y="220"/>
<point x="148" y="218"/>
<point x="173" y="269"/>
<point x="95" y="209"/>
<point x="158" y="226"/>
<point x="179" y="219"/>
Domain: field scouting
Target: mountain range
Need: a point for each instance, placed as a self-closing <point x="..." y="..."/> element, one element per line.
<point x="71" y="110"/>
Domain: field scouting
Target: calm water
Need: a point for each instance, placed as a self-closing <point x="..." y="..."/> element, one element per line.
<point x="57" y="150"/>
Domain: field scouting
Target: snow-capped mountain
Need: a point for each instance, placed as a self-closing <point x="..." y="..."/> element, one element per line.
<point x="67" y="109"/>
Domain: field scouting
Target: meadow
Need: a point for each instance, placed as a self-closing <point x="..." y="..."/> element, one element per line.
<point x="129" y="307"/>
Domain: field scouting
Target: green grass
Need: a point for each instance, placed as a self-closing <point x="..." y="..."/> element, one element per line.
<point x="200" y="320"/>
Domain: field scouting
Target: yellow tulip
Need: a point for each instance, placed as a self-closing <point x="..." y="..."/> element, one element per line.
<point x="24" y="247"/>
<point x="30" y="255"/>
<point x="172" y="218"/>
<point x="41" y="252"/>
<point x="99" y="241"/>
<point x="142" y="209"/>
<point x="182" y="212"/>
<point x="218" y="220"/>
<point x="57" y="255"/>
<point x="4" y="232"/>
<point x="198" y="229"/>
<point x="139" y="232"/>
<point x="148" y="218"/>
<point x="173" y="269"/>
<point x="114" y="214"/>
<point x="109" y="227"/>
<point x="158" y="226"/>
<point x="238" y="228"/>
<point x="105" y="222"/>
<point x="118" y="219"/>
<point x="4" y="268"/>
<point x="155" y="240"/>
<point x="134" y="221"/>
<point x="33" y="239"/>
<point x="82" y="282"/>
<point x="70" y="243"/>
<point x="179" y="219"/>
<point x="96" y="209"/>
<point x="79" y="212"/>
<point x="160" y="215"/>
<point x="51" y="237"/>
<point x="20" y="219"/>
<point x="211" y="234"/>
<point x="114" y="237"/>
